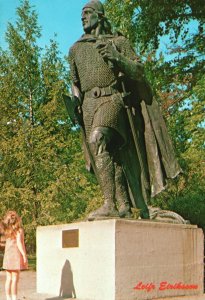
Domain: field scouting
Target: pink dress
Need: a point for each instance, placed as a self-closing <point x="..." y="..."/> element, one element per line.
<point x="13" y="259"/>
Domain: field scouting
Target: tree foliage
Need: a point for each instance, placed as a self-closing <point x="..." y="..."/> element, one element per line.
<point x="169" y="36"/>
<point x="42" y="174"/>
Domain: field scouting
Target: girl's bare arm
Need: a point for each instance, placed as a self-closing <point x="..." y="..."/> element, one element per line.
<point x="20" y="244"/>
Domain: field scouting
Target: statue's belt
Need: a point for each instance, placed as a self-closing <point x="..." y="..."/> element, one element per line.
<point x="97" y="92"/>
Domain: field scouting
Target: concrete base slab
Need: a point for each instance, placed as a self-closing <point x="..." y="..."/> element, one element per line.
<point x="202" y="297"/>
<point x="120" y="260"/>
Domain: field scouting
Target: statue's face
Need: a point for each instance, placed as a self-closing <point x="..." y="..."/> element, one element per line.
<point x="89" y="19"/>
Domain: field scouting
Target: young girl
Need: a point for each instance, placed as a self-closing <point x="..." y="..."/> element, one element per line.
<point x="15" y="253"/>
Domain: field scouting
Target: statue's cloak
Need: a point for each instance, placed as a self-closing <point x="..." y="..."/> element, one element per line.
<point x="156" y="161"/>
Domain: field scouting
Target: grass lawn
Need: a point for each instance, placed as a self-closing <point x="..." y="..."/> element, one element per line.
<point x="32" y="262"/>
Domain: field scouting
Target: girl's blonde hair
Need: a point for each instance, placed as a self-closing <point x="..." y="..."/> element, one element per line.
<point x="11" y="224"/>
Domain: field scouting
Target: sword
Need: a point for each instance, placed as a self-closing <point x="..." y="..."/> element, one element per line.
<point x="126" y="95"/>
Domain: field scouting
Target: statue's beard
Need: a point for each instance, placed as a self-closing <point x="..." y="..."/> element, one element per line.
<point x="89" y="27"/>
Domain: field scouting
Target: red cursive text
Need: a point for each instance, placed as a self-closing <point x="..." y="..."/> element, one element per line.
<point x="147" y="286"/>
<point x="164" y="285"/>
<point x="177" y="286"/>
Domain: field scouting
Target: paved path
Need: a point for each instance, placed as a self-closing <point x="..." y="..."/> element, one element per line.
<point x="27" y="289"/>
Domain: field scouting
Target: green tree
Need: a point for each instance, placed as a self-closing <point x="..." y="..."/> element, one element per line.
<point x="42" y="174"/>
<point x="177" y="77"/>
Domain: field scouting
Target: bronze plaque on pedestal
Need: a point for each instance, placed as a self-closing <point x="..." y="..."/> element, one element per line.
<point x="70" y="238"/>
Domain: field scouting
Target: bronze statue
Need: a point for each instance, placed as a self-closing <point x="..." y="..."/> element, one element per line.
<point x="125" y="137"/>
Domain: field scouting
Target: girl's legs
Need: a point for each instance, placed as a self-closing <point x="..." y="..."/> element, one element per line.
<point x="14" y="284"/>
<point x="8" y="285"/>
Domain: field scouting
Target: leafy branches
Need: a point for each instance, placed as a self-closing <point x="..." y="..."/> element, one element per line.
<point x="41" y="166"/>
<point x="169" y="36"/>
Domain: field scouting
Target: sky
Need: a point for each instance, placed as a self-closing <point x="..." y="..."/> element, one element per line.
<point x="61" y="17"/>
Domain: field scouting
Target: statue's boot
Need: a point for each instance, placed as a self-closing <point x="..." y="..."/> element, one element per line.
<point x="106" y="176"/>
<point x="144" y="214"/>
<point x="121" y="193"/>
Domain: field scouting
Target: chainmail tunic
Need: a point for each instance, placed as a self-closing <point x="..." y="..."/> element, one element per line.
<point x="105" y="111"/>
<point x="90" y="70"/>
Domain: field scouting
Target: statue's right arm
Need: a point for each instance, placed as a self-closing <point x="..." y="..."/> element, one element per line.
<point x="74" y="72"/>
<point x="75" y="86"/>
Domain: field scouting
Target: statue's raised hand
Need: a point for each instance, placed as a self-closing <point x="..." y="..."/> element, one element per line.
<point x="108" y="51"/>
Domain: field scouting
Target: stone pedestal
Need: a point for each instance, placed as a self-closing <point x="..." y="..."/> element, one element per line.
<point x="120" y="260"/>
